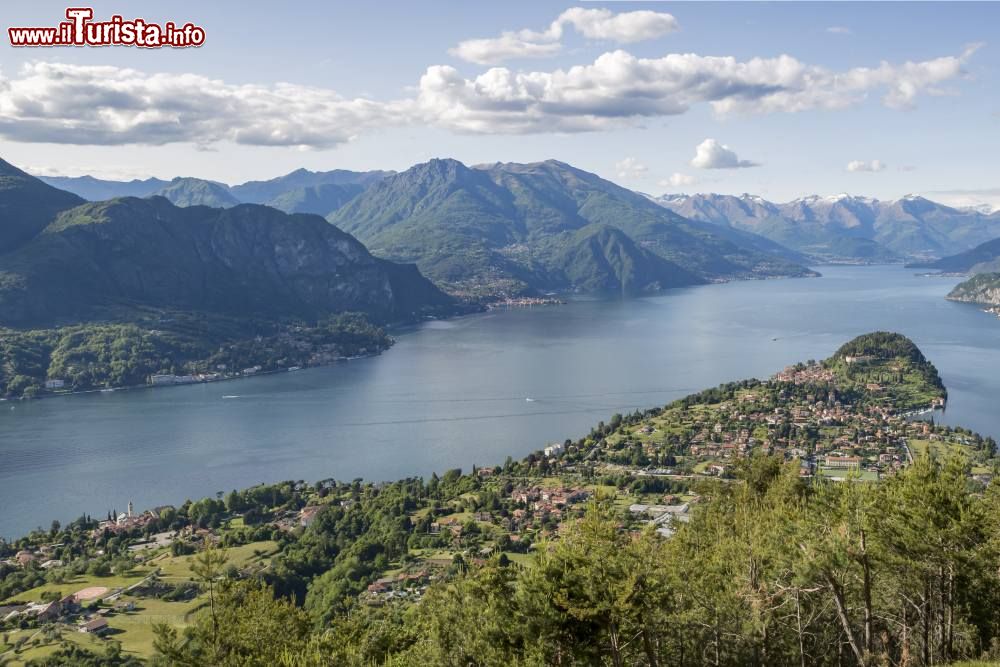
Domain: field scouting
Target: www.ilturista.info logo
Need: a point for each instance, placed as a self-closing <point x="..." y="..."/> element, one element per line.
<point x="81" y="30"/>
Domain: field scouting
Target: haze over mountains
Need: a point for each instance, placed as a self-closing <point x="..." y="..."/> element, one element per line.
<point x="301" y="191"/>
<point x="845" y="227"/>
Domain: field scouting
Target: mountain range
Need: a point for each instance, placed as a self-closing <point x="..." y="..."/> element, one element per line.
<point x="479" y="232"/>
<point x="102" y="260"/>
<point x="984" y="258"/>
<point x="301" y="191"/>
<point x="547" y="226"/>
<point x="845" y="227"/>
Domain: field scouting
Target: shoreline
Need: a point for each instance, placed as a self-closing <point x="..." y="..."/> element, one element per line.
<point x="148" y="386"/>
<point x="551" y="299"/>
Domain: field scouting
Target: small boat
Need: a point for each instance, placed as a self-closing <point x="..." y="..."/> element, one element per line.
<point x="227" y="396"/>
<point x="292" y="369"/>
<point x="530" y="400"/>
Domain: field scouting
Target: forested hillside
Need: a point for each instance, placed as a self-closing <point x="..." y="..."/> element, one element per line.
<point x="517" y="228"/>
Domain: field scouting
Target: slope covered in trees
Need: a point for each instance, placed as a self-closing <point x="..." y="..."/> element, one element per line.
<point x="520" y="225"/>
<point x="27" y="205"/>
<point x="108" y="259"/>
<point x="983" y="288"/>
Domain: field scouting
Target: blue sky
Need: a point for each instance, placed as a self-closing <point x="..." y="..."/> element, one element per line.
<point x="347" y="85"/>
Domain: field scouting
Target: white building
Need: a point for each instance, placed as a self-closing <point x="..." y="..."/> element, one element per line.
<point x="554" y="450"/>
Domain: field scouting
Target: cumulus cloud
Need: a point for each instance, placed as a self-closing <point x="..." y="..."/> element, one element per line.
<point x="602" y="24"/>
<point x="710" y="154"/>
<point x="866" y="165"/>
<point x="83" y="104"/>
<point x="678" y="180"/>
<point x="619" y="87"/>
<point x="630" y="168"/>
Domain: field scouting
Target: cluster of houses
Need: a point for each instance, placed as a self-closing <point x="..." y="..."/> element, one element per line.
<point x="126" y="521"/>
<point x="42" y="557"/>
<point x="51" y="610"/>
<point x="401" y="586"/>
<point x="806" y="374"/>
<point x="815" y="428"/>
<point x="535" y="503"/>
<point x="68" y="610"/>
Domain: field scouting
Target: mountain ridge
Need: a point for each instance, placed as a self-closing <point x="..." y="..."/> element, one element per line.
<point x="984" y="258"/>
<point x="300" y="191"/>
<point x="845" y="226"/>
<point x="101" y="260"/>
<point x="497" y="222"/>
<point x="27" y="205"/>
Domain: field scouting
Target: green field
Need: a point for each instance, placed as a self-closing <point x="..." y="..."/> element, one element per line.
<point x="83" y="581"/>
<point x="937" y="448"/>
<point x="177" y="569"/>
<point x="526" y="560"/>
<point x="135" y="629"/>
<point x="37" y="647"/>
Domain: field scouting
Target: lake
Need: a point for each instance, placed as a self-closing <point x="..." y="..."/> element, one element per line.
<point x="455" y="393"/>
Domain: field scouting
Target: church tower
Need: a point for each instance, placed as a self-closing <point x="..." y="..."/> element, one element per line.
<point x="130" y="509"/>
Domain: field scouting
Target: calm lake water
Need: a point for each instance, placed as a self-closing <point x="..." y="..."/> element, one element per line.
<point x="451" y="394"/>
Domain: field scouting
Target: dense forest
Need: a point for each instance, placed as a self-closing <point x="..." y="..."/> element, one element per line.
<point x="771" y="571"/>
<point x="99" y="355"/>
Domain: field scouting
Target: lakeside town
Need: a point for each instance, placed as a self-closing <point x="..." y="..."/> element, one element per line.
<point x="97" y="583"/>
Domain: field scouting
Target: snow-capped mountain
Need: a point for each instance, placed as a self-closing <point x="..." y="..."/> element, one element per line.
<point x="846" y="226"/>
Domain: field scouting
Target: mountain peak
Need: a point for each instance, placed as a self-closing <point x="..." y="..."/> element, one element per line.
<point x="27" y="205"/>
<point x="7" y="169"/>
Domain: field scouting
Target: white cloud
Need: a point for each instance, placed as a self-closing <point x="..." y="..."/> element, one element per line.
<point x="863" y="165"/>
<point x="602" y="24"/>
<point x="508" y="46"/>
<point x="625" y="28"/>
<point x="92" y="105"/>
<point x="987" y="200"/>
<point x="630" y="168"/>
<point x="710" y="154"/>
<point x="678" y="180"/>
<point x="84" y="104"/>
<point x="839" y="30"/>
<point x="619" y="87"/>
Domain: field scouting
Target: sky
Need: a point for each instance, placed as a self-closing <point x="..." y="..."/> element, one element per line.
<point x="778" y="99"/>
